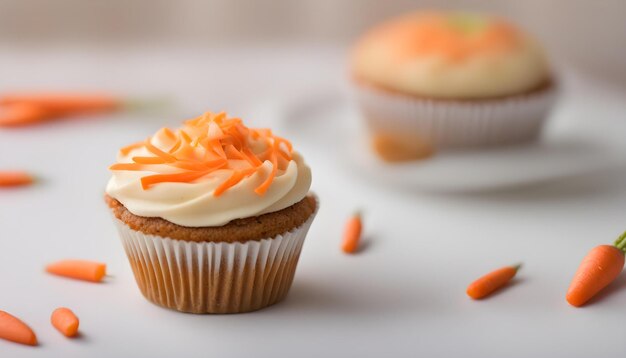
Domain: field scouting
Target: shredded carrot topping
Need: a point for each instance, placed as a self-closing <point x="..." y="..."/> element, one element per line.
<point x="204" y="145"/>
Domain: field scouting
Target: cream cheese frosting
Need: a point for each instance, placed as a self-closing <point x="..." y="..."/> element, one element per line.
<point x="450" y="55"/>
<point x="209" y="172"/>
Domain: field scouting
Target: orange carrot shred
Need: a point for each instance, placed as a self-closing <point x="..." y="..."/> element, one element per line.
<point x="65" y="321"/>
<point x="175" y="146"/>
<point x="352" y="234"/>
<point x="233" y="180"/>
<point x="261" y="189"/>
<point x="149" y="160"/>
<point x="78" y="269"/>
<point x="158" y="152"/>
<point x="492" y="281"/>
<point x="14" y="330"/>
<point x="127" y="149"/>
<point x="168" y="132"/>
<point x="15" y="178"/>
<point x="208" y="143"/>
<point x="127" y="166"/>
<point x="186" y="177"/>
<point x="252" y="157"/>
<point x="185" y="136"/>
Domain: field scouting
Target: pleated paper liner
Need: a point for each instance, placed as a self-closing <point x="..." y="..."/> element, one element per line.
<point x="446" y="124"/>
<point x="213" y="277"/>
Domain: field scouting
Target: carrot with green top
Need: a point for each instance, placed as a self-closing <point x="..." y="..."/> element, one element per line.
<point x="15" y="178"/>
<point x="352" y="234"/>
<point x="492" y="281"/>
<point x="78" y="269"/>
<point x="65" y="321"/>
<point x="14" y="330"/>
<point x="598" y="269"/>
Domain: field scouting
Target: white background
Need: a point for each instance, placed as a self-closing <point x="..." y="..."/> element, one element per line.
<point x="403" y="295"/>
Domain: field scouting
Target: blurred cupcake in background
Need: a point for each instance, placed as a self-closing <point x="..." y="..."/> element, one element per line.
<point x="436" y="80"/>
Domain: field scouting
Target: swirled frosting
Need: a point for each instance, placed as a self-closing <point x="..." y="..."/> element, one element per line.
<point x="450" y="55"/>
<point x="210" y="171"/>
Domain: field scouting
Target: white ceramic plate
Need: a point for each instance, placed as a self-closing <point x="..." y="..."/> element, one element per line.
<point x="331" y="124"/>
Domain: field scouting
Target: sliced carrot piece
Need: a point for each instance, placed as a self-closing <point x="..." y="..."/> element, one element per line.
<point x="78" y="269"/>
<point x="14" y="330"/>
<point x="65" y="321"/>
<point x="352" y="234"/>
<point x="15" y="178"/>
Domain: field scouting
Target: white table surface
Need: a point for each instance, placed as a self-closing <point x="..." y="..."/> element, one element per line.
<point x="404" y="295"/>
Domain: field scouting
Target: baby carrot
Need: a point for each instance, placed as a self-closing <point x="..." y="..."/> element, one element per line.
<point x="14" y="178"/>
<point x="598" y="269"/>
<point x="14" y="330"/>
<point x="64" y="103"/>
<point x="491" y="282"/>
<point x="352" y="234"/>
<point x="78" y="269"/>
<point x="21" y="114"/>
<point x="65" y="321"/>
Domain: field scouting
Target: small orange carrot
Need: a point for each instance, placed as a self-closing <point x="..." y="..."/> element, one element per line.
<point x="64" y="103"/>
<point x="492" y="281"/>
<point x="65" y="321"/>
<point x="22" y="114"/>
<point x="352" y="234"/>
<point x="14" y="330"/>
<point x="78" y="269"/>
<point x="598" y="269"/>
<point x="15" y="178"/>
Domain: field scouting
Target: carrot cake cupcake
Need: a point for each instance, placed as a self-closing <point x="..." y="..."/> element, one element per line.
<point x="212" y="215"/>
<point x="434" y="80"/>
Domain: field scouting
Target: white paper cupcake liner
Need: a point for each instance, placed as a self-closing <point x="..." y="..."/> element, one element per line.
<point x="213" y="277"/>
<point x="456" y="124"/>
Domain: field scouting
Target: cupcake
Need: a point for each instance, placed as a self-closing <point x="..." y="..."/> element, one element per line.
<point x="212" y="215"/>
<point x="435" y="80"/>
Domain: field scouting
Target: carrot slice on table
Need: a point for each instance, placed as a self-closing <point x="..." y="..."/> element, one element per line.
<point x="15" y="178"/>
<point x="65" y="321"/>
<point x="352" y="234"/>
<point x="14" y="330"/>
<point x="598" y="269"/>
<point x="78" y="269"/>
<point x="22" y="114"/>
<point x="64" y="103"/>
<point x="492" y="281"/>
